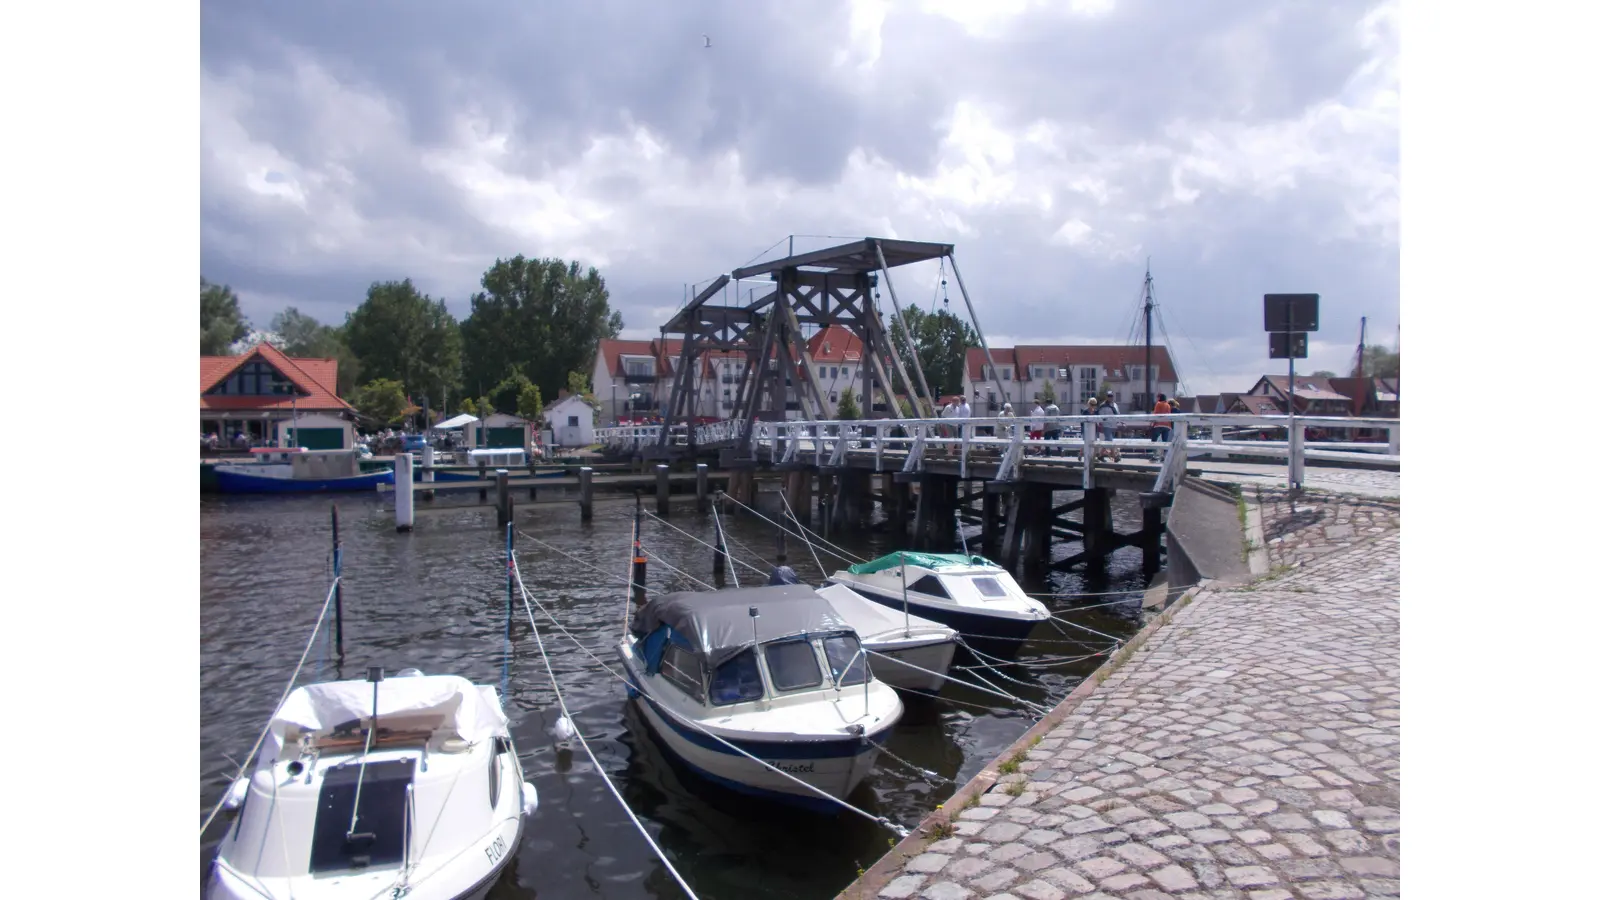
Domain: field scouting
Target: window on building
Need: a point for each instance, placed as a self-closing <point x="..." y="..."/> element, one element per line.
<point x="256" y="379"/>
<point x="1005" y="374"/>
<point x="1088" y="384"/>
<point x="833" y="397"/>
<point x="844" y="371"/>
<point x="572" y="421"/>
<point x="1063" y="374"/>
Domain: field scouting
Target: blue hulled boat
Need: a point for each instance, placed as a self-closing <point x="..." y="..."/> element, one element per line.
<point x="302" y="472"/>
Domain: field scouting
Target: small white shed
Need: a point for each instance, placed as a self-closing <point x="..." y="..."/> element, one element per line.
<point x="571" y="422"/>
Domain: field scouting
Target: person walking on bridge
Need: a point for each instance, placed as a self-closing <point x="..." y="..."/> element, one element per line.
<point x="1160" y="429"/>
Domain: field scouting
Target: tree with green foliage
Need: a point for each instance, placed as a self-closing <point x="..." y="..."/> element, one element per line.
<point x="221" y="322"/>
<point x="941" y="340"/>
<point x="545" y="317"/>
<point x="530" y="403"/>
<point x="302" y="336"/>
<point x="485" y="408"/>
<point x="401" y="334"/>
<point x="1048" y="395"/>
<point x="1380" y="362"/>
<point x="382" y="399"/>
<point x="578" y="384"/>
<point x="848" y="410"/>
<point x="507" y="391"/>
<point x="469" y="406"/>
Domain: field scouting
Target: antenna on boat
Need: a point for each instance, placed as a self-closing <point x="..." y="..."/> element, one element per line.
<point x="374" y="675"/>
<point x="905" y="599"/>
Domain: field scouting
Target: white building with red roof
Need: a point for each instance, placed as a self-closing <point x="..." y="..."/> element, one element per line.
<point x="1074" y="372"/>
<point x="274" y="399"/>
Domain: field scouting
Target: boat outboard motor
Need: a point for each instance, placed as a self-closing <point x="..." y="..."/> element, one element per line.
<point x="783" y="575"/>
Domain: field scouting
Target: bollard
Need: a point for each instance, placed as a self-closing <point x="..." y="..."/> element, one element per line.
<point x="702" y="486"/>
<point x="404" y="513"/>
<point x="663" y="487"/>
<point x="502" y="496"/>
<point x="586" y="493"/>
<point x="338" y="590"/>
<point x="427" y="470"/>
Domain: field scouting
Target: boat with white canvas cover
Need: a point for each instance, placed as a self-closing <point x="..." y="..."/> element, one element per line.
<point x="912" y="653"/>
<point x="968" y="593"/>
<point x="773" y="671"/>
<point x="408" y="786"/>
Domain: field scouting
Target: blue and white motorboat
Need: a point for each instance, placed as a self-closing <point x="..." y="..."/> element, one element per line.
<point x="774" y="671"/>
<point x="968" y="593"/>
<point x="301" y="471"/>
<point x="406" y="787"/>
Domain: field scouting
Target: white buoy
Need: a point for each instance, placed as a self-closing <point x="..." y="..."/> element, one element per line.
<point x="563" y="731"/>
<point x="404" y="509"/>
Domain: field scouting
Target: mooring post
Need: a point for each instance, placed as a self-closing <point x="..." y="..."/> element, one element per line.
<point x="663" y="488"/>
<point x="639" y="560"/>
<point x="510" y="531"/>
<point x="502" y="496"/>
<point x="404" y="512"/>
<point x="338" y="590"/>
<point x="427" y="470"/>
<point x="702" y="486"/>
<point x="586" y="493"/>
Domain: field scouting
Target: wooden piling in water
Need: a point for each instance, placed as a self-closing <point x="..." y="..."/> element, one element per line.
<point x="702" y="487"/>
<point x="586" y="494"/>
<point x="663" y="489"/>
<point x="427" y="470"/>
<point x="990" y="538"/>
<point x="404" y="499"/>
<point x="502" y="497"/>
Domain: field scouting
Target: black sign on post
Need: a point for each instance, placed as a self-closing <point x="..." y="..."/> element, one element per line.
<point x="1291" y="312"/>
<point x="1286" y="345"/>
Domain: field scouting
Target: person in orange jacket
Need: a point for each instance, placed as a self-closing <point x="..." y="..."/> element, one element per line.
<point x="1161" y="430"/>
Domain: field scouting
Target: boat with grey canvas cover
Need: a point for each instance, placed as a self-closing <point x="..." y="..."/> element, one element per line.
<point x="773" y="671"/>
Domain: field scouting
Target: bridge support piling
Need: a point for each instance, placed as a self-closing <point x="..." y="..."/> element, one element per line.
<point x="990" y="538"/>
<point x="1011" y="540"/>
<point x="1099" y="538"/>
<point x="663" y="489"/>
<point x="1037" y="506"/>
<point x="1149" y="539"/>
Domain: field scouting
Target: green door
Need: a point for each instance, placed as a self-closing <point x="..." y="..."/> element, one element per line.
<point x="500" y="438"/>
<point x="317" y="438"/>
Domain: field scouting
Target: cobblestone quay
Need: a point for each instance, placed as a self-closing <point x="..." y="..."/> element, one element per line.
<point x="1249" y="748"/>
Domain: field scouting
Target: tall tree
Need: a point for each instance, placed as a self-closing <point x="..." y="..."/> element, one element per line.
<point x="403" y="334"/>
<point x="221" y="322"/>
<point x="941" y="340"/>
<point x="382" y="400"/>
<point x="300" y="335"/>
<point x="545" y="317"/>
<point x="848" y="408"/>
<point x="1380" y="362"/>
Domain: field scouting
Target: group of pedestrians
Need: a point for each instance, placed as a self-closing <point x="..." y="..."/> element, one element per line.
<point x="1043" y="424"/>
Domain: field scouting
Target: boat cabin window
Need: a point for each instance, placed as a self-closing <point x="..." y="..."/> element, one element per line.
<point x="842" y="650"/>
<point x="379" y="836"/>
<point x="679" y="666"/>
<point x="738" y="680"/>
<point x="989" y="587"/>
<point x="930" y="585"/>
<point x="793" y="665"/>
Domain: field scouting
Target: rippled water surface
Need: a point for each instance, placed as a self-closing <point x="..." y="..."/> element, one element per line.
<point x="436" y="599"/>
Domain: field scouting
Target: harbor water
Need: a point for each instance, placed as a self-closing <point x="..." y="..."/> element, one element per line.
<point x="436" y="599"/>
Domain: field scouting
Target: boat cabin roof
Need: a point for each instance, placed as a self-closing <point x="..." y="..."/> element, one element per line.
<point x="719" y="624"/>
<point x="434" y="704"/>
<point x="922" y="560"/>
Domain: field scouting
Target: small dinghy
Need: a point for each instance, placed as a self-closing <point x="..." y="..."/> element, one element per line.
<point x="894" y="636"/>
<point x="774" y="671"/>
<point x="968" y="593"/>
<point x="424" y="799"/>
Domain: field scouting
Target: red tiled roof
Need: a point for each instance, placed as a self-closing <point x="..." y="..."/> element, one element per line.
<point x="1309" y="387"/>
<point x="1111" y="359"/>
<point x="316" y="377"/>
<point x="1254" y="404"/>
<point x="834" y="344"/>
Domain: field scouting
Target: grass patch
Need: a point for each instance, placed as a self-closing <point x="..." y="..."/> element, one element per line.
<point x="1016" y="788"/>
<point x="938" y="832"/>
<point x="1010" y="766"/>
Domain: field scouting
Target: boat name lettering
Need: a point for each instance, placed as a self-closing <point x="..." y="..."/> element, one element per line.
<point x="496" y="849"/>
<point x="809" y="768"/>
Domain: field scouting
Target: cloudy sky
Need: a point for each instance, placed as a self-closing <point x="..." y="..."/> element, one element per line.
<point x="1243" y="147"/>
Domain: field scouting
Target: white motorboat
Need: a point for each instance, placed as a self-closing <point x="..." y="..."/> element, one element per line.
<point x="774" y="671"/>
<point x="897" y="637"/>
<point x="408" y="786"/>
<point x="968" y="593"/>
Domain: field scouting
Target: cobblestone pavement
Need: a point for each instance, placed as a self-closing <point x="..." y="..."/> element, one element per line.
<point x="1365" y="482"/>
<point x="1250" y="749"/>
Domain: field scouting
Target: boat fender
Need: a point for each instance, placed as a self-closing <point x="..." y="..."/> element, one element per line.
<point x="236" y="794"/>
<point x="530" y="799"/>
<point x="563" y="732"/>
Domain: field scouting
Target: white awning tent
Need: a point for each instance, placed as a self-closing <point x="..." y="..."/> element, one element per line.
<point x="444" y="702"/>
<point x="456" y="422"/>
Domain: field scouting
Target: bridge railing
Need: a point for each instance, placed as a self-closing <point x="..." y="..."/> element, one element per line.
<point x="1080" y="437"/>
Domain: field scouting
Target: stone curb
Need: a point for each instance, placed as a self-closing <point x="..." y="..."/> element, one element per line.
<point x="876" y="878"/>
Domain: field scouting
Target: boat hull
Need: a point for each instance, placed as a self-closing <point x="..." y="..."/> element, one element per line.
<point x="834" y="766"/>
<point x="997" y="636"/>
<point x="231" y="481"/>
<point x="934" y="656"/>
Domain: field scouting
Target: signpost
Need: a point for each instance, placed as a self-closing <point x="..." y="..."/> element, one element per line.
<point x="1288" y="320"/>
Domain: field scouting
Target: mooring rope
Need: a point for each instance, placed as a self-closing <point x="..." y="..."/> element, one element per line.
<point x="627" y="581"/>
<point x="948" y="677"/>
<point x="674" y="569"/>
<point x="828" y="546"/>
<point x="288" y="689"/>
<point x="881" y="820"/>
<point x="561" y="701"/>
<point x="1055" y="618"/>
<point x="713" y="547"/>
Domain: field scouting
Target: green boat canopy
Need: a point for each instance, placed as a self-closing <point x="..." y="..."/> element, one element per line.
<point x="925" y="560"/>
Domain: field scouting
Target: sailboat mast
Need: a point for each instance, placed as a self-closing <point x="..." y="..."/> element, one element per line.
<point x="1361" y="351"/>
<point x="1149" y="303"/>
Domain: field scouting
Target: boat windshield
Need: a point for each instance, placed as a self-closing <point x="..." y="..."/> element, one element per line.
<point x="793" y="665"/>
<point x="738" y="680"/>
<point x="843" y="650"/>
<point x="379" y="835"/>
<point x="989" y="586"/>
